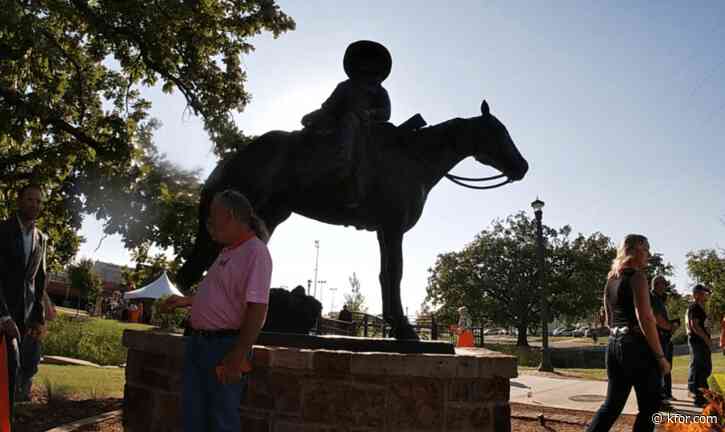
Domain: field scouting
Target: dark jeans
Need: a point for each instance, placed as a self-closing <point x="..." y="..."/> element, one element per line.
<point x="667" y="349"/>
<point x="22" y="365"/>
<point x="630" y="363"/>
<point x="700" y="366"/>
<point x="208" y="405"/>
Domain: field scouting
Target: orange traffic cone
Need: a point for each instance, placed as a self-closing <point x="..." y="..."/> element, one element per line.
<point x="4" y="390"/>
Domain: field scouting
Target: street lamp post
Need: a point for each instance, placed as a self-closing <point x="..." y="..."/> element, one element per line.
<point x="317" y="259"/>
<point x="332" y="300"/>
<point x="545" y="365"/>
<point x="321" y="283"/>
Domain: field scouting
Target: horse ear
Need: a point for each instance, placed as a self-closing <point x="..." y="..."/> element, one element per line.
<point x="484" y="107"/>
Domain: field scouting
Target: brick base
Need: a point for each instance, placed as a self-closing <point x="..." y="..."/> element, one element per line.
<point x="321" y="390"/>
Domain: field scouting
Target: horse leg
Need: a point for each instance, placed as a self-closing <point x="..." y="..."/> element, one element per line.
<point x="391" y="272"/>
<point x="273" y="215"/>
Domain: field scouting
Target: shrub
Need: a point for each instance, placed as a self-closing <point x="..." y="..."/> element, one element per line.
<point x="716" y="382"/>
<point x="94" y="340"/>
<point x="169" y="321"/>
<point x="527" y="356"/>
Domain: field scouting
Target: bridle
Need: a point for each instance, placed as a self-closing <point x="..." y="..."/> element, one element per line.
<point x="459" y="181"/>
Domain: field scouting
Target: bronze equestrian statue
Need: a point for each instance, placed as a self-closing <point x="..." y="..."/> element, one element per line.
<point x="285" y="172"/>
<point x="395" y="168"/>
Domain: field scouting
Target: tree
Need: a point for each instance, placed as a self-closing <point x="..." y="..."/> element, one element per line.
<point x="84" y="278"/>
<point x="495" y="276"/>
<point x="707" y="267"/>
<point x="355" y="300"/>
<point x="148" y="268"/>
<point x="71" y="113"/>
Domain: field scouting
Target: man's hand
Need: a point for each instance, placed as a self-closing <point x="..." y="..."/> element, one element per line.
<point x="232" y="367"/>
<point x="664" y="365"/>
<point x="364" y="115"/>
<point x="174" y="302"/>
<point x="10" y="329"/>
<point x="37" y="331"/>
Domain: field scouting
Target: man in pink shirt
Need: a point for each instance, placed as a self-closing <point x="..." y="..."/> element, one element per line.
<point x="227" y="313"/>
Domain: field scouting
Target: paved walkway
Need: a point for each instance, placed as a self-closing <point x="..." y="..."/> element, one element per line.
<point x="585" y="395"/>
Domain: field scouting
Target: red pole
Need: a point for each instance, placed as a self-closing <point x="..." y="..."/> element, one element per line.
<point x="4" y="390"/>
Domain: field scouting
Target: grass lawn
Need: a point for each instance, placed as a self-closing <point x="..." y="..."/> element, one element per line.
<point x="680" y="369"/>
<point x="84" y="382"/>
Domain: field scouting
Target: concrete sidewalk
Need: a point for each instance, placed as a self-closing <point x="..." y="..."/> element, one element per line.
<point x="585" y="395"/>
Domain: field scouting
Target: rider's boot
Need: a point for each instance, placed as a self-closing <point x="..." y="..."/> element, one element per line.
<point x="351" y="184"/>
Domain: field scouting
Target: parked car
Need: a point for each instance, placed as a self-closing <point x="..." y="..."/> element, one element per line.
<point x="580" y="332"/>
<point x="557" y="331"/>
<point x="567" y="332"/>
<point x="599" y="331"/>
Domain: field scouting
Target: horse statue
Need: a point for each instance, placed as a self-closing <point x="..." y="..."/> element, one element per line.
<point x="284" y="172"/>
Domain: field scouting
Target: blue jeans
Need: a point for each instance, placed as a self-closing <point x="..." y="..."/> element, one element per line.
<point x="667" y="349"/>
<point x="630" y="363"/>
<point x="208" y="405"/>
<point x="700" y="366"/>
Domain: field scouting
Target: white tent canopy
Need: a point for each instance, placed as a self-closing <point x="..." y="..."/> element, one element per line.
<point x="156" y="289"/>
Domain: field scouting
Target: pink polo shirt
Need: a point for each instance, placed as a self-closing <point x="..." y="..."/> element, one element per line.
<point x="240" y="275"/>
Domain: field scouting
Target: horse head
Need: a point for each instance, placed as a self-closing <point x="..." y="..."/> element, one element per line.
<point x="494" y="147"/>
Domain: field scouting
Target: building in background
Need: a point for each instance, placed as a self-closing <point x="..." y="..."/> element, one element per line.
<point x="61" y="293"/>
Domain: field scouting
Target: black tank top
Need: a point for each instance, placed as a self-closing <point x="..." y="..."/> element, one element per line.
<point x="621" y="300"/>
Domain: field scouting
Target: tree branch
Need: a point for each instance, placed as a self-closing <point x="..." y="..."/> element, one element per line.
<point x="12" y="97"/>
<point x="107" y="28"/>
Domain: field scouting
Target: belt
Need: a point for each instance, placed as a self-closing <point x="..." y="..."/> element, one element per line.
<point x="214" y="333"/>
<point x="621" y="331"/>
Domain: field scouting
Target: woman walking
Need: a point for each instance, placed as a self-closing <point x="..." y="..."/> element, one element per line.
<point x="634" y="354"/>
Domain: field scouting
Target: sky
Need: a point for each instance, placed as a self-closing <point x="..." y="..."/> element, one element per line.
<point x="619" y="108"/>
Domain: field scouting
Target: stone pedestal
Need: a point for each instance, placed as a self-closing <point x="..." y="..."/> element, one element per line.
<point x="324" y="390"/>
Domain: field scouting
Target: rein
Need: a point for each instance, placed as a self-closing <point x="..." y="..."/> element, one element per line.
<point x="459" y="181"/>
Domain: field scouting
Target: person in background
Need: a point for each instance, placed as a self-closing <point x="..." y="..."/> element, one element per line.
<point x="698" y="338"/>
<point x="464" y="328"/>
<point x="665" y="328"/>
<point x="634" y="352"/>
<point x="227" y="314"/>
<point x="345" y="314"/>
<point x="22" y="288"/>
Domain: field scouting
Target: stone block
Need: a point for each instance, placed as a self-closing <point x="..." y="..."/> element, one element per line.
<point x="138" y="408"/>
<point x="327" y="362"/>
<point x="161" y="380"/>
<point x="377" y="364"/>
<point x="291" y="358"/>
<point x="262" y="356"/>
<point x="166" y="344"/>
<point x="325" y="400"/>
<point x="501" y="366"/>
<point x="493" y="389"/>
<point x="415" y="404"/>
<point x="467" y="367"/>
<point x="286" y="391"/>
<point x="330" y="402"/>
<point x="260" y="393"/>
<point x="468" y="417"/>
<point x="366" y="403"/>
<point x="255" y="424"/>
<point x="502" y="417"/>
<point x="430" y="365"/>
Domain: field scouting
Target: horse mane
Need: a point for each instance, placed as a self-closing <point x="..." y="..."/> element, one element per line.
<point x="433" y="137"/>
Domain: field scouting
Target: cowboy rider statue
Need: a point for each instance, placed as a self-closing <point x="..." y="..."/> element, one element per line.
<point x="356" y="102"/>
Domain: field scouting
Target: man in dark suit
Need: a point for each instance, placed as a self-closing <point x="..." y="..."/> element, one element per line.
<point x="22" y="285"/>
